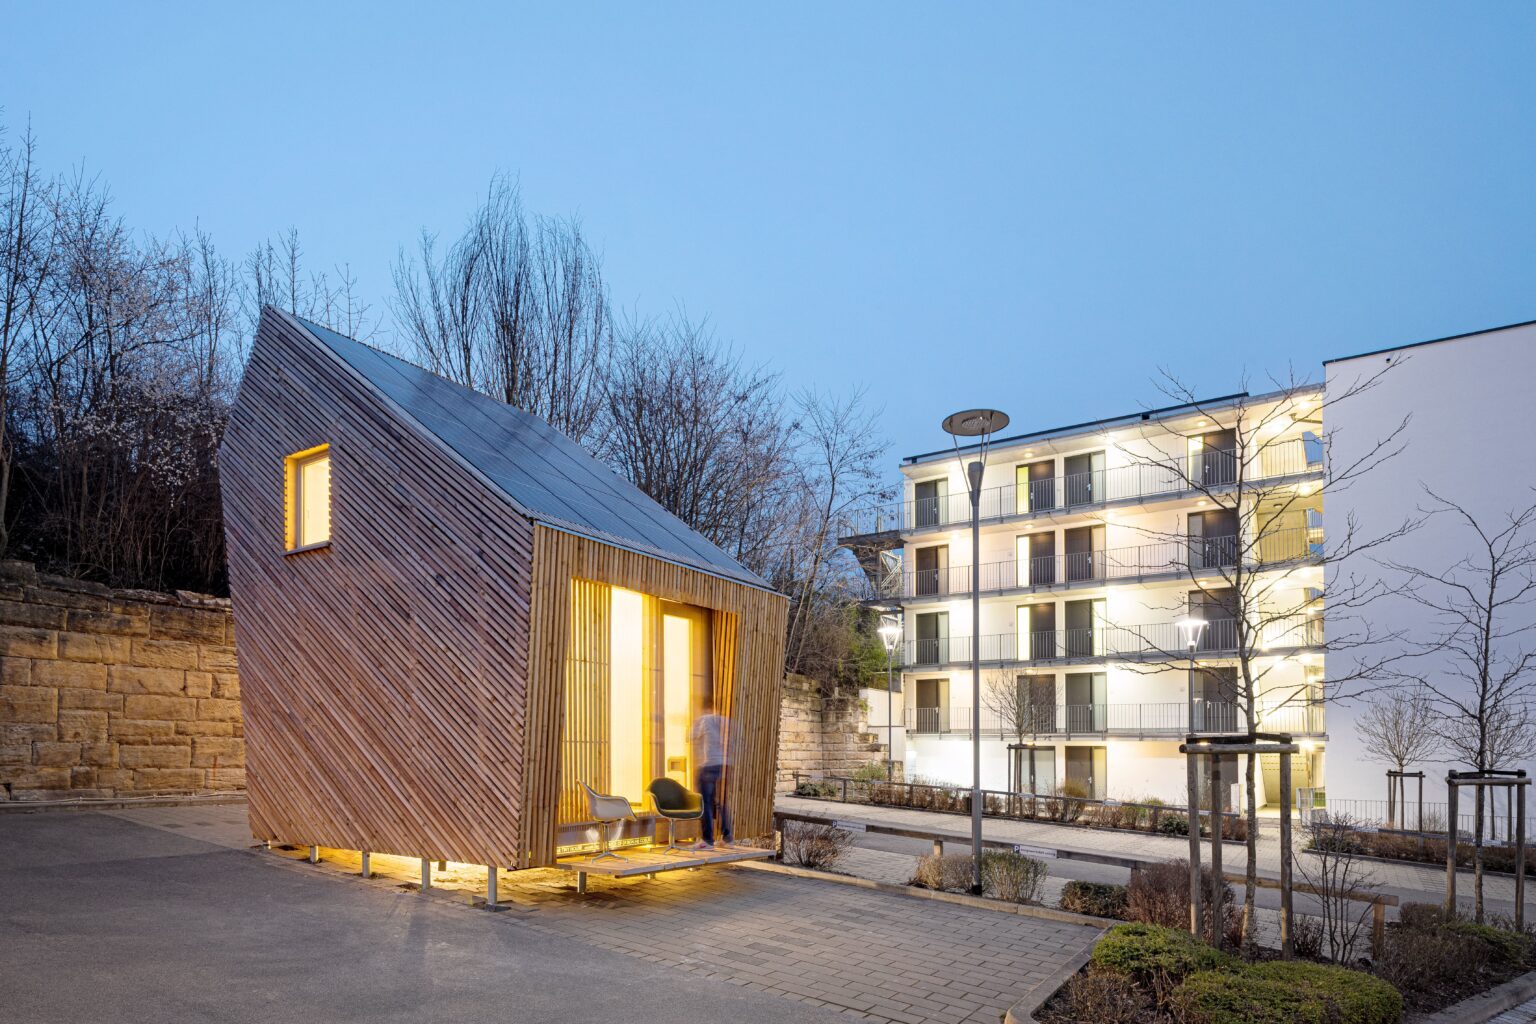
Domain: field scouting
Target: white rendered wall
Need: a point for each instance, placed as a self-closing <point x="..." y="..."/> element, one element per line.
<point x="1471" y="439"/>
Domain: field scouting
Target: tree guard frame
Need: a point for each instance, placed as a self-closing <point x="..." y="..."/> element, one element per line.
<point x="1216" y="747"/>
<point x="1490" y="778"/>
<point x="1397" y="798"/>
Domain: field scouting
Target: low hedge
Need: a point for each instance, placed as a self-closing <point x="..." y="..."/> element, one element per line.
<point x="1196" y="984"/>
<point x="1154" y="956"/>
<point x="1506" y="949"/>
<point x="1286" y="992"/>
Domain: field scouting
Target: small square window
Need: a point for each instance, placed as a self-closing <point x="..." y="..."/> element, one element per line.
<point x="309" y="498"/>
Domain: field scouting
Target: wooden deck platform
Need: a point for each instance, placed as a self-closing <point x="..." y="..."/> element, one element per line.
<point x="650" y="860"/>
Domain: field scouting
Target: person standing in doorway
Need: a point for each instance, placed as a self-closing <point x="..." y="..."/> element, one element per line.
<point x="711" y="745"/>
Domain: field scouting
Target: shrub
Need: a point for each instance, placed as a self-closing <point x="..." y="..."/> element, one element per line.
<point x="1427" y="963"/>
<point x="1156" y="958"/>
<point x="1307" y="936"/>
<point x="816" y="789"/>
<point x="1159" y="894"/>
<point x="1506" y="950"/>
<point x="874" y="771"/>
<point x="1421" y="915"/>
<point x="1012" y="876"/>
<point x="949" y="872"/>
<point x="1103" y="997"/>
<point x="1066" y="802"/>
<point x="1173" y="825"/>
<point x="1097" y="899"/>
<point x="815" y="846"/>
<point x="1285" y="992"/>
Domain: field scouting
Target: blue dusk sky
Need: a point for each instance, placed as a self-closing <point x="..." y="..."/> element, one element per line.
<point x="1027" y="206"/>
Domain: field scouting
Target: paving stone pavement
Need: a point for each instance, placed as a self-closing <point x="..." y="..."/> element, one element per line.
<point x="869" y="955"/>
<point x="1525" y="1013"/>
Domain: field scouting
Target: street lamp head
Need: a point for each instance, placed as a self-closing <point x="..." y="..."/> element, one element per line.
<point x="889" y="634"/>
<point x="975" y="423"/>
<point x="1190" y="629"/>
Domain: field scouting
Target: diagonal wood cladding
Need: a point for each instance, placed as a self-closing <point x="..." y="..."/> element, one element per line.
<point x="385" y="676"/>
<point x="404" y="687"/>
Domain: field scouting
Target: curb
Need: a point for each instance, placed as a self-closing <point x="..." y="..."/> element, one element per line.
<point x="1023" y="1011"/>
<point x="912" y="892"/>
<point x="118" y="804"/>
<point x="1490" y="1004"/>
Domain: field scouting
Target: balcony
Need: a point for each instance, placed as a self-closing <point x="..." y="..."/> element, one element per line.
<point x="1069" y="721"/>
<point x="1148" y="642"/>
<point x="1142" y="563"/>
<point x="1085" y="491"/>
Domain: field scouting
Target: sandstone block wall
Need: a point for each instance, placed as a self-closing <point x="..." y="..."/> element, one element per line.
<point x="823" y="731"/>
<point x="111" y="693"/>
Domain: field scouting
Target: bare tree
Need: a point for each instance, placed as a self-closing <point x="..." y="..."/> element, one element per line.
<point x="25" y="265"/>
<point x="515" y="308"/>
<point x="1399" y="729"/>
<point x="1482" y="686"/>
<point x="1340" y="881"/>
<point x="1255" y="559"/>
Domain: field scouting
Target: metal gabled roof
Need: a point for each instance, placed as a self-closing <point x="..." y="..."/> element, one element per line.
<point x="547" y="477"/>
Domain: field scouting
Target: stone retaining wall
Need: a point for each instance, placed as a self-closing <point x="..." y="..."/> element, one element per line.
<point x="823" y="730"/>
<point x="111" y="693"/>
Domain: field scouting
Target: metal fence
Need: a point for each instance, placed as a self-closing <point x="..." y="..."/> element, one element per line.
<point x="1164" y="476"/>
<point x="1171" y="558"/>
<point x="1127" y="719"/>
<point x="1157" y="639"/>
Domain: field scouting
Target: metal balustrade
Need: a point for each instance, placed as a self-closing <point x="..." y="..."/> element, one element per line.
<point x="1170" y="558"/>
<point x="1077" y="491"/>
<point x="1158" y="639"/>
<point x="1171" y="718"/>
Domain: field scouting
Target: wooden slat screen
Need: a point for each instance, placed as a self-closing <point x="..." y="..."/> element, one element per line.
<point x="586" y="731"/>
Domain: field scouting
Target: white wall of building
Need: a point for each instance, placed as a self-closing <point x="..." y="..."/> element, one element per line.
<point x="1471" y="440"/>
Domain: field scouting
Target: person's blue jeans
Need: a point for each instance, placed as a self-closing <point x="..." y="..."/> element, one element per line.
<point x="712" y="789"/>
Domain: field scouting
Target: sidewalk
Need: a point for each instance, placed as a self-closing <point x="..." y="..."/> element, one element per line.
<point x="1410" y="883"/>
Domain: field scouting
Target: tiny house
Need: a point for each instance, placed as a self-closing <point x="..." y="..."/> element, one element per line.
<point x="449" y="617"/>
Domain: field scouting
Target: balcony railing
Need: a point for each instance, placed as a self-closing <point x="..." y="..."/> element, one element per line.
<point x="1172" y="558"/>
<point x="1154" y="719"/>
<point x="1159" y="639"/>
<point x="1077" y="491"/>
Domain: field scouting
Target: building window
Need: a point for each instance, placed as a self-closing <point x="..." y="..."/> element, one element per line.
<point x="309" y="498"/>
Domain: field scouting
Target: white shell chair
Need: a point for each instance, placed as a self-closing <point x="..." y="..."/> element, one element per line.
<point x="606" y="810"/>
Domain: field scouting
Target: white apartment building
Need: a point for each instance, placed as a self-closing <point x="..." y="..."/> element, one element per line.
<point x="1469" y="440"/>
<point x="1096" y="541"/>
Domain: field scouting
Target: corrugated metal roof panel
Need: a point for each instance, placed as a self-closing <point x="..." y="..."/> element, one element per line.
<point x="548" y="476"/>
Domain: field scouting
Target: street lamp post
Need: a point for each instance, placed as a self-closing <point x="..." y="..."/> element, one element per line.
<point x="890" y="633"/>
<point x="980" y="424"/>
<point x="1190" y="629"/>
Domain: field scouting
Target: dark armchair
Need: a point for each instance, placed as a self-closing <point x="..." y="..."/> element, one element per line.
<point x="676" y="803"/>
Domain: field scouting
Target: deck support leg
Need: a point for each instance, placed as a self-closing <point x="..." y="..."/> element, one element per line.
<point x="490" y="886"/>
<point x="426" y="874"/>
<point x="367" y="867"/>
<point x="581" y="881"/>
<point x="314" y="855"/>
<point x="938" y="847"/>
<point x="442" y="865"/>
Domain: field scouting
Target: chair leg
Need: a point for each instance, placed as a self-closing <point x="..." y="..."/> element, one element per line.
<point x="672" y="846"/>
<point x="603" y="850"/>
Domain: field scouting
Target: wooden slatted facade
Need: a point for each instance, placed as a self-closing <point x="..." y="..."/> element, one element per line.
<point x="415" y="686"/>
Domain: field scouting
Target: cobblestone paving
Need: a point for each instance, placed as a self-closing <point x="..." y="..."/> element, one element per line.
<point x="1525" y="1013"/>
<point x="870" y="955"/>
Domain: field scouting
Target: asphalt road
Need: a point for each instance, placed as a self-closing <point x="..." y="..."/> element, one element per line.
<point x="101" y="918"/>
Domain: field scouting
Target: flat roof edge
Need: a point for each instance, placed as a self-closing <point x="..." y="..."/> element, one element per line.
<point x="1094" y="426"/>
<point x="1430" y="341"/>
